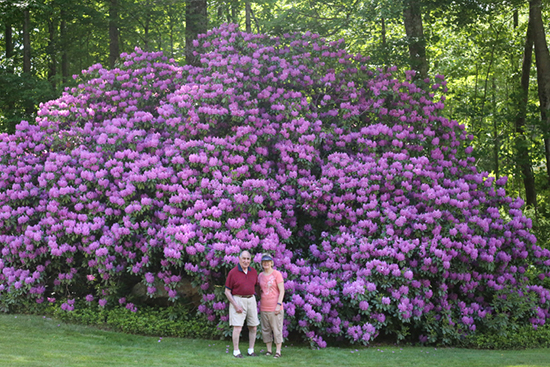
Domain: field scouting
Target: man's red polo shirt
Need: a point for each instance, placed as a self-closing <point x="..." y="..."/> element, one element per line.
<point x="242" y="284"/>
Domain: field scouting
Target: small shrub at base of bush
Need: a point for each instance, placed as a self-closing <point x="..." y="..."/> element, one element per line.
<point x="512" y="338"/>
<point x="170" y="321"/>
<point x="173" y="321"/>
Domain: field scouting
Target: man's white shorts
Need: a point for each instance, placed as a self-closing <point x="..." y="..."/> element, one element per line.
<point x="250" y="312"/>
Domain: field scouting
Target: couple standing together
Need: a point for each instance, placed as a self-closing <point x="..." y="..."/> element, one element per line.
<point x="240" y="288"/>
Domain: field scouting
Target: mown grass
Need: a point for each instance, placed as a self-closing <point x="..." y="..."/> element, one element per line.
<point x="41" y="341"/>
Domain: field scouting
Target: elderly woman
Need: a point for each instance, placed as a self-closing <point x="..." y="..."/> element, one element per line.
<point x="271" y="305"/>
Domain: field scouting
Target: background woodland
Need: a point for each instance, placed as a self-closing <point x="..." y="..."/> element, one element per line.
<point x="493" y="54"/>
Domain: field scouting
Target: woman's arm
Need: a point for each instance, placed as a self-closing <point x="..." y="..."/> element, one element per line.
<point x="281" y="287"/>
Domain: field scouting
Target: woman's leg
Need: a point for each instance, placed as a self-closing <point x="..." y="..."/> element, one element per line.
<point x="278" y="347"/>
<point x="267" y="332"/>
<point x="278" y="332"/>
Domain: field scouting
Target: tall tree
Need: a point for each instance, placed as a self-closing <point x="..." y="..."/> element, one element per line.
<point x="247" y="12"/>
<point x="63" y="40"/>
<point x="8" y="39"/>
<point x="51" y="50"/>
<point x="412" y="19"/>
<point x="114" y="45"/>
<point x="542" y="57"/>
<point x="523" y="157"/>
<point x="196" y="21"/>
<point x="26" y="40"/>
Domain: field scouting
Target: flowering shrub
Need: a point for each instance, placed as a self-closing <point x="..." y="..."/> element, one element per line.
<point x="366" y="196"/>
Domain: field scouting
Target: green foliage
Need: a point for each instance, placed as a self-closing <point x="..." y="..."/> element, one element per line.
<point x="510" y="338"/>
<point x="92" y="316"/>
<point x="175" y="321"/>
<point x="169" y="321"/>
<point x="20" y="95"/>
<point x="505" y="328"/>
<point x="541" y="220"/>
<point x="511" y="309"/>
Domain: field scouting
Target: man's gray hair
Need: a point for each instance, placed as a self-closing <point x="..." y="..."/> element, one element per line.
<point x="242" y="253"/>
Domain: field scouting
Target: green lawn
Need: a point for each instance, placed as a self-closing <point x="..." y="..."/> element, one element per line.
<point x="39" y="341"/>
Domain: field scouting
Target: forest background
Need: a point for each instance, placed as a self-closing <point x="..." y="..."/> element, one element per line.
<point x="493" y="54"/>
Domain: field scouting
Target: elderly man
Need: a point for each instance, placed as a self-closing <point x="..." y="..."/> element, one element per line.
<point x="240" y="287"/>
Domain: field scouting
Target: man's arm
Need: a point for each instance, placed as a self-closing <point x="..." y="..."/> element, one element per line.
<point x="257" y="288"/>
<point x="231" y="300"/>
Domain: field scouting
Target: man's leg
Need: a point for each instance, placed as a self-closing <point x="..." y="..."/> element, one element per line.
<point x="236" y="336"/>
<point x="252" y="319"/>
<point x="251" y="337"/>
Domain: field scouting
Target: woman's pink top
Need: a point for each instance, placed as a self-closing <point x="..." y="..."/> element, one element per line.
<point x="270" y="290"/>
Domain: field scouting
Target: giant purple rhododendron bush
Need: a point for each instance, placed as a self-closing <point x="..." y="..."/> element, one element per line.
<point x="348" y="174"/>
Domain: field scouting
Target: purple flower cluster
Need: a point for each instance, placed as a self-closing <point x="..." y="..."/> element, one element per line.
<point x="366" y="196"/>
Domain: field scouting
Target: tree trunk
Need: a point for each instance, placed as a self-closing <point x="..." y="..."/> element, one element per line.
<point x="51" y="51"/>
<point x="171" y="35"/>
<point x="65" y="46"/>
<point x="482" y="113"/>
<point x="523" y="158"/>
<point x="412" y="18"/>
<point x="8" y="37"/>
<point x="383" y="33"/>
<point x="247" y="11"/>
<point x="227" y="10"/>
<point x="234" y="11"/>
<point x="258" y="28"/>
<point x="384" y="40"/>
<point x="114" y="45"/>
<point x="496" y="137"/>
<point x="146" y="45"/>
<point x="542" y="57"/>
<point x="196" y="19"/>
<point x="26" y="41"/>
